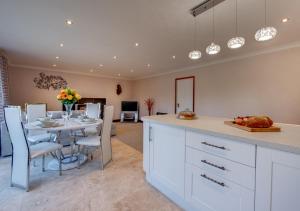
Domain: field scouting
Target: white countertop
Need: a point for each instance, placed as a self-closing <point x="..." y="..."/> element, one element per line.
<point x="287" y="140"/>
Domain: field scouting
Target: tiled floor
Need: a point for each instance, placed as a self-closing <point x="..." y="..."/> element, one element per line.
<point x="121" y="186"/>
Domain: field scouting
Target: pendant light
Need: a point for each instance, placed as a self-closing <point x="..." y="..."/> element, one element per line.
<point x="267" y="32"/>
<point x="236" y="42"/>
<point x="213" y="48"/>
<point x="195" y="54"/>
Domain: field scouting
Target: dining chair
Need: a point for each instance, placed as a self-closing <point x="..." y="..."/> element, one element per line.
<point x="103" y="142"/>
<point x="23" y="153"/>
<point x="93" y="110"/>
<point x="33" y="112"/>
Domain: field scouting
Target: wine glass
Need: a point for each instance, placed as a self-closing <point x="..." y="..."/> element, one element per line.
<point x="64" y="116"/>
<point x="49" y="114"/>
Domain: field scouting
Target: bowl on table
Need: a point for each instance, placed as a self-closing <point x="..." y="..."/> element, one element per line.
<point x="87" y="119"/>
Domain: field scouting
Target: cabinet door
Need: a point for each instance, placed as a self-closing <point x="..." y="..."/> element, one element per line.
<point x="167" y="153"/>
<point x="277" y="180"/>
<point x="146" y="139"/>
<point x="206" y="191"/>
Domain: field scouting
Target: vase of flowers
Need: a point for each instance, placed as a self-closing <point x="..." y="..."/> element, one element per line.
<point x="149" y="102"/>
<point x="68" y="97"/>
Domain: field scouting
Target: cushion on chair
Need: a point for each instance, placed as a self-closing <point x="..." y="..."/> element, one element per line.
<point x="92" y="141"/>
<point x="39" y="137"/>
<point x="43" y="148"/>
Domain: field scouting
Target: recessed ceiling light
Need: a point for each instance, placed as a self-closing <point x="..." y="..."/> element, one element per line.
<point x="100" y="65"/>
<point x="61" y="45"/>
<point x="119" y="74"/>
<point x="91" y="70"/>
<point x="69" y="22"/>
<point x="137" y="44"/>
<point x="115" y="57"/>
<point x="284" y="20"/>
<point x="57" y="57"/>
<point x="54" y="65"/>
<point x="131" y="70"/>
<point x="174" y="57"/>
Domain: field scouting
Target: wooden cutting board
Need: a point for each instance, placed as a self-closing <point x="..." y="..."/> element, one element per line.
<point x="249" y="129"/>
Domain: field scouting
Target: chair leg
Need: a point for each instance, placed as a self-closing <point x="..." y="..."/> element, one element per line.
<point x="28" y="175"/>
<point x="60" y="152"/>
<point x="101" y="156"/>
<point x="78" y="157"/>
<point x="43" y="163"/>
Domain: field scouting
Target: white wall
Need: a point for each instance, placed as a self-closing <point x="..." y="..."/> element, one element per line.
<point x="264" y="84"/>
<point x="22" y="89"/>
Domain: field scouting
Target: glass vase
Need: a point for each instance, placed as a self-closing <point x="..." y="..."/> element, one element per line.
<point x="69" y="110"/>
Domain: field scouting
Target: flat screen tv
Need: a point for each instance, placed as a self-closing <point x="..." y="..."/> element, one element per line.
<point x="129" y="106"/>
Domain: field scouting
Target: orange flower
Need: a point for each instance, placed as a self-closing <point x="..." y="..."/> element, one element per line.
<point x="64" y="96"/>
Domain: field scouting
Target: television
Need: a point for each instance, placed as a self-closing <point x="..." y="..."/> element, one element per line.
<point x="129" y="105"/>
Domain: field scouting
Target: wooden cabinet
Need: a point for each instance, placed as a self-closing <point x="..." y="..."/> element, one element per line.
<point x="277" y="180"/>
<point x="167" y="155"/>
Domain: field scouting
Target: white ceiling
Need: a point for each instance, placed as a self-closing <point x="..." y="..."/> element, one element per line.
<point x="31" y="31"/>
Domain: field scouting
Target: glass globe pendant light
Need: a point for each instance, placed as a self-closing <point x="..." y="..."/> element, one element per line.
<point x="267" y="32"/>
<point x="195" y="54"/>
<point x="236" y="42"/>
<point x="213" y="48"/>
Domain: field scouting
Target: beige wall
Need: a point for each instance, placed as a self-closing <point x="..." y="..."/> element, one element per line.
<point x="263" y="84"/>
<point x="22" y="89"/>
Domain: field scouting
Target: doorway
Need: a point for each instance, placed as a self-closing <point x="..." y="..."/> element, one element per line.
<point x="185" y="94"/>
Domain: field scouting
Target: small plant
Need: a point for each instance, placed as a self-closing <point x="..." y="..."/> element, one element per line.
<point x="149" y="102"/>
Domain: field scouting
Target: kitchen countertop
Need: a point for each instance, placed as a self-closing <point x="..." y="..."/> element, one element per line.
<point x="286" y="140"/>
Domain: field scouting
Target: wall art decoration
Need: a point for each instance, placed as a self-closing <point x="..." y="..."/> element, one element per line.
<point x="119" y="89"/>
<point x="44" y="81"/>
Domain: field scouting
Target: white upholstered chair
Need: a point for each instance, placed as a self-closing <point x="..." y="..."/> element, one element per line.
<point x="103" y="142"/>
<point x="23" y="153"/>
<point x="93" y="110"/>
<point x="33" y="112"/>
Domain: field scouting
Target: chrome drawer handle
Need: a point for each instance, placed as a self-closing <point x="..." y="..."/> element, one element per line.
<point x="211" y="145"/>
<point x="212" y="180"/>
<point x="214" y="165"/>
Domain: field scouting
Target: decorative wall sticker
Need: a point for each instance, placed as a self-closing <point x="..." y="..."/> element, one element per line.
<point x="44" y="81"/>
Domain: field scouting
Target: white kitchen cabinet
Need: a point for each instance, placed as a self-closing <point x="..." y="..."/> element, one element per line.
<point x="277" y="180"/>
<point x="167" y="156"/>
<point x="206" y="191"/>
<point x="206" y="165"/>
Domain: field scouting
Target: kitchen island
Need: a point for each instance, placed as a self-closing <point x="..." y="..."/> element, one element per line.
<point x="203" y="164"/>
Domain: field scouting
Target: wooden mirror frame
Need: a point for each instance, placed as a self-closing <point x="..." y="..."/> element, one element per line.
<point x="182" y="78"/>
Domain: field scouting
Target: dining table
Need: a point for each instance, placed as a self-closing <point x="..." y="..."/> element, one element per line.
<point x="70" y="126"/>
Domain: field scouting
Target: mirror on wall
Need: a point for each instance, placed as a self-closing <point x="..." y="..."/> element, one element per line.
<point x="184" y="94"/>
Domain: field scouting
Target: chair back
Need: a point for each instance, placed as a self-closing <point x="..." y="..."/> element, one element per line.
<point x="93" y="110"/>
<point x="34" y="111"/>
<point x="106" y="134"/>
<point x="21" y="152"/>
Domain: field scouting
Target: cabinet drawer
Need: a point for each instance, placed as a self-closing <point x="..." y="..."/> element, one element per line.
<point x="208" y="192"/>
<point x="229" y="170"/>
<point x="232" y="150"/>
